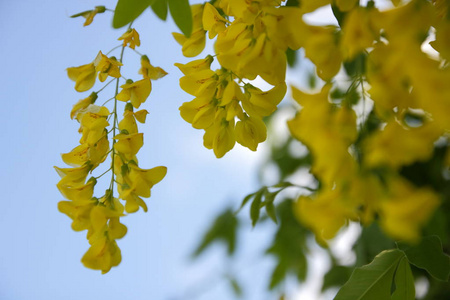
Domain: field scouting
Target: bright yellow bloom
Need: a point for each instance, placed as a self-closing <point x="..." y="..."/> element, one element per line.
<point x="74" y="176"/>
<point x="102" y="255"/>
<point x="141" y="115"/>
<point x="84" y="76"/>
<point x="93" y="123"/>
<point x="195" y="65"/>
<point x="149" y="71"/>
<point x="396" y="146"/>
<point x="195" y="44"/>
<point x="107" y="66"/>
<point x="406" y="209"/>
<point x="325" y="214"/>
<point x="261" y="104"/>
<point x="137" y="92"/>
<point x="90" y="14"/>
<point x="129" y="144"/>
<point x="357" y="32"/>
<point x="130" y="37"/>
<point x="220" y="136"/>
<point x="82" y="104"/>
<point x="250" y="132"/>
<point x="79" y="212"/>
<point x="212" y="20"/>
<point x="200" y="84"/>
<point x="322" y="49"/>
<point x="77" y="192"/>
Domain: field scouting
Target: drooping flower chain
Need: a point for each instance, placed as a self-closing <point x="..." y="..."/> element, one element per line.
<point x="104" y="133"/>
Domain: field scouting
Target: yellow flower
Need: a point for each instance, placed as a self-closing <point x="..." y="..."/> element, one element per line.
<point x="131" y="37"/>
<point x="93" y="123"/>
<point x="220" y="136"/>
<point x="195" y="44"/>
<point x="107" y="66"/>
<point x="261" y="104"/>
<point x="82" y="104"/>
<point x="74" y="176"/>
<point x="405" y="209"/>
<point x="195" y="65"/>
<point x="250" y="132"/>
<point x="129" y="144"/>
<point x="79" y="212"/>
<point x="212" y="20"/>
<point x="84" y="76"/>
<point x="77" y="192"/>
<point x="90" y="14"/>
<point x="137" y="92"/>
<point x="149" y="71"/>
<point x="102" y="255"/>
<point x="396" y="146"/>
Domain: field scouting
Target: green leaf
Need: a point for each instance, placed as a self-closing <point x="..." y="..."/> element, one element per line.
<point x="372" y="281"/>
<point x="246" y="199"/>
<point x="404" y="282"/>
<point x="235" y="286"/>
<point x="160" y="8"/>
<point x="291" y="56"/>
<point x="256" y="206"/>
<point x="336" y="276"/>
<point x="223" y="229"/>
<point x="269" y="198"/>
<point x="180" y="11"/>
<point x="128" y="10"/>
<point x="428" y="255"/>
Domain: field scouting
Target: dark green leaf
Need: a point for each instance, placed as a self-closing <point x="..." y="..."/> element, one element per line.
<point x="128" y="10"/>
<point x="223" y="229"/>
<point x="270" y="210"/>
<point x="336" y="276"/>
<point x="256" y="206"/>
<point x="357" y="66"/>
<point x="293" y="3"/>
<point x="283" y="185"/>
<point x="428" y="255"/>
<point x="246" y="199"/>
<point x="404" y="282"/>
<point x="291" y="56"/>
<point x="160" y="8"/>
<point x="180" y="11"/>
<point x="372" y="281"/>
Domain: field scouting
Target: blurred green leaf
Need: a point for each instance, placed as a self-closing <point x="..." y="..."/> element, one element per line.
<point x="235" y="286"/>
<point x="180" y="10"/>
<point x="128" y="10"/>
<point x="160" y="9"/>
<point x="372" y="281"/>
<point x="293" y="2"/>
<point x="288" y="247"/>
<point x="356" y="66"/>
<point x="404" y="282"/>
<point x="428" y="255"/>
<point x="291" y="56"/>
<point x="336" y="276"/>
<point x="256" y="206"/>
<point x="223" y="229"/>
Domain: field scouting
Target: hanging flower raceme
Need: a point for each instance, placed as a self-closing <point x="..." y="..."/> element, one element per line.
<point x="102" y="133"/>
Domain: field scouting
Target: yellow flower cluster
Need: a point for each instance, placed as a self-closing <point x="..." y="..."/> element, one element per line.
<point x="252" y="38"/>
<point x="100" y="216"/>
<point x="360" y="171"/>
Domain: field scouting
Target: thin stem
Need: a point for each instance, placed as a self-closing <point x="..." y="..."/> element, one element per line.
<point x="108" y="99"/>
<point x="103" y="173"/>
<point x="136" y="51"/>
<point x="113" y="49"/>
<point x="105" y="86"/>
